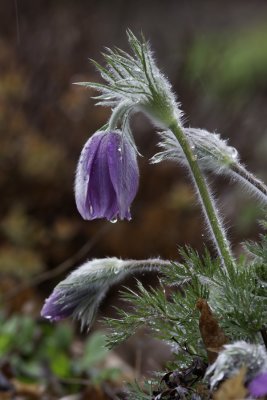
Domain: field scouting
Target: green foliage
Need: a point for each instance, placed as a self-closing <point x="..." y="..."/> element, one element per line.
<point x="258" y="249"/>
<point x="238" y="299"/>
<point x="172" y="317"/>
<point x="9" y="338"/>
<point x="242" y="312"/>
<point x="29" y="347"/>
<point x="140" y="393"/>
<point x="237" y="63"/>
<point x="132" y="79"/>
<point x="94" y="351"/>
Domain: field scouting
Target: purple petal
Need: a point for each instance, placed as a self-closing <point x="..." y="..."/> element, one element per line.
<point x="83" y="174"/>
<point x="54" y="308"/>
<point x="124" y="174"/>
<point x="101" y="194"/>
<point x="258" y="386"/>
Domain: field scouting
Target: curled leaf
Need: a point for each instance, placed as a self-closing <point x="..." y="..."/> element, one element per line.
<point x="211" y="333"/>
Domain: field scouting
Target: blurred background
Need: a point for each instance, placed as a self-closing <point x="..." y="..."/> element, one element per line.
<point x="215" y="55"/>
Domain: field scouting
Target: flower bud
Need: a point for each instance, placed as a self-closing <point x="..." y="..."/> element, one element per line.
<point x="80" y="294"/>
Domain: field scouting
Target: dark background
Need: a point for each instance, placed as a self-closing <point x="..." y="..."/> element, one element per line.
<point x="215" y="55"/>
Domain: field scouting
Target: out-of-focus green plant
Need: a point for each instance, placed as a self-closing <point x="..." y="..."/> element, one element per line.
<point x="31" y="348"/>
<point x="235" y="63"/>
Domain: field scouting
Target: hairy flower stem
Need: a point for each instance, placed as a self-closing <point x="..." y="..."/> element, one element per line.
<point x="151" y="263"/>
<point x="206" y="201"/>
<point x="256" y="185"/>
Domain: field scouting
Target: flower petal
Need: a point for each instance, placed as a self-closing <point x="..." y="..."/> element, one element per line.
<point x="258" y="386"/>
<point x="84" y="167"/>
<point x="124" y="173"/>
<point x="101" y="194"/>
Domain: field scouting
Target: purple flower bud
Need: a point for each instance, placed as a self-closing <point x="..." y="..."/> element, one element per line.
<point x="55" y="308"/>
<point x="80" y="294"/>
<point x="258" y="386"/>
<point x="107" y="177"/>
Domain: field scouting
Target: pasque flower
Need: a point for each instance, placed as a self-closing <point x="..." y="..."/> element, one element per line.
<point x="80" y="294"/>
<point x="107" y="177"/>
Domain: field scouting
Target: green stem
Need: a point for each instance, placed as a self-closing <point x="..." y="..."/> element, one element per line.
<point x="206" y="200"/>
<point x="117" y="115"/>
<point x="249" y="179"/>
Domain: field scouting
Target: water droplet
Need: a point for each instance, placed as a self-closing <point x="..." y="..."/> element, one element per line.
<point x="116" y="271"/>
<point x="234" y="152"/>
<point x="113" y="220"/>
<point x="119" y="149"/>
<point x="91" y="210"/>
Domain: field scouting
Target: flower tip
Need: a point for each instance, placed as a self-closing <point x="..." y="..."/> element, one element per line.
<point x="53" y="309"/>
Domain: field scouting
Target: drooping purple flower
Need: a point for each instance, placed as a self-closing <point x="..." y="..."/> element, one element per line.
<point x="107" y="177"/>
<point x="258" y="386"/>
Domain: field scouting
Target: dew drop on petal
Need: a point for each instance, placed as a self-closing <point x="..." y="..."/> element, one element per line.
<point x="113" y="220"/>
<point x="91" y="209"/>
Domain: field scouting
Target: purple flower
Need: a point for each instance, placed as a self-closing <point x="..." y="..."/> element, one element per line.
<point x="258" y="386"/>
<point x="107" y="177"/>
